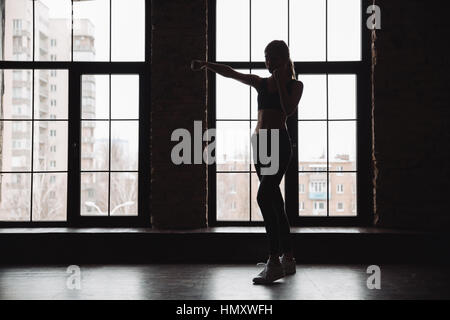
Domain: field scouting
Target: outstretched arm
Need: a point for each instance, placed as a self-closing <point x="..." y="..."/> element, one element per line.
<point x="226" y="71"/>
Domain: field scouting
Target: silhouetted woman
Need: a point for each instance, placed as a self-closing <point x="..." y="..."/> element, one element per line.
<point x="278" y="98"/>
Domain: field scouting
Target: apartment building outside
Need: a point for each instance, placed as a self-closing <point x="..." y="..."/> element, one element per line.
<point x="50" y="102"/>
<point x="233" y="202"/>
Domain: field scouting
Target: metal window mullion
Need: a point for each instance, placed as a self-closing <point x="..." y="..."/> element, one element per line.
<point x="250" y="108"/>
<point x="250" y="168"/>
<point x="36" y="171"/>
<point x="288" y="23"/>
<point x="109" y="150"/>
<point x="328" y="155"/>
<point x="250" y="31"/>
<point x="109" y="120"/>
<point x="32" y="116"/>
<point x="326" y="30"/>
<point x="32" y="144"/>
<point x="110" y="29"/>
<point x="34" y="27"/>
<point x="326" y="92"/>
<point x="71" y="33"/>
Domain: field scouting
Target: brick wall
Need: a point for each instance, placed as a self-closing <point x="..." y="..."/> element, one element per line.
<point x="178" y="198"/>
<point x="412" y="114"/>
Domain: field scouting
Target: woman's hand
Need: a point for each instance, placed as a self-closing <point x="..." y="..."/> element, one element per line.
<point x="197" y="65"/>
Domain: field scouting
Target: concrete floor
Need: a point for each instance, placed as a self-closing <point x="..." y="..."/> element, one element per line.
<point x="223" y="282"/>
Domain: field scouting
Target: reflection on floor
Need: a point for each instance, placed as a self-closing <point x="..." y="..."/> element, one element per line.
<point x="204" y="282"/>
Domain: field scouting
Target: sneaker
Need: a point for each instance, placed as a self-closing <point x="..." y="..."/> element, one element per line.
<point x="288" y="265"/>
<point x="272" y="271"/>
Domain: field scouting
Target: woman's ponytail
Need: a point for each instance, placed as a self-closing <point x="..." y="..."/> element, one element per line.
<point x="292" y="68"/>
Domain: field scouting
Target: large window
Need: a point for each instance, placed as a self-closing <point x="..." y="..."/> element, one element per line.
<point x="328" y="44"/>
<point x="71" y="110"/>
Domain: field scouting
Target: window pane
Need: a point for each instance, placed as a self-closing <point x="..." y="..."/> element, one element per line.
<point x="313" y="104"/>
<point x="233" y="145"/>
<point x="17" y="42"/>
<point x="232" y="30"/>
<point x="269" y="22"/>
<point x="342" y="96"/>
<point x="312" y="144"/>
<point x="95" y="145"/>
<point x="307" y="30"/>
<point x="91" y="30"/>
<point x="344" y="30"/>
<point x="15" y="145"/>
<point x="124" y="194"/>
<point x="233" y="197"/>
<point x="125" y="96"/>
<point x="51" y="94"/>
<point x="50" y="145"/>
<point x="313" y="202"/>
<point x="264" y="73"/>
<point x="124" y="145"/>
<point x="95" y="97"/>
<point x="15" y="198"/>
<point x="94" y="194"/>
<point x="53" y="19"/>
<point x="49" y="196"/>
<point x="232" y="98"/>
<point x="16" y="96"/>
<point x="128" y="30"/>
<point x="347" y="198"/>
<point x="342" y="143"/>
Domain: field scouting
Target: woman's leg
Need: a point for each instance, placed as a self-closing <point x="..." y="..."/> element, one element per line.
<point x="278" y="203"/>
<point x="265" y="197"/>
<point x="265" y="205"/>
<point x="271" y="202"/>
<point x="284" y="227"/>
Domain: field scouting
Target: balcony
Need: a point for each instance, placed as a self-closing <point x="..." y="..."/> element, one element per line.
<point x="22" y="83"/>
<point x="43" y="93"/>
<point x="21" y="33"/>
<point x="43" y="76"/>
<point x="88" y="93"/>
<point x="88" y="140"/>
<point x="88" y="155"/>
<point x="83" y="28"/>
<point x="88" y="108"/>
<point x="20" y="50"/>
<point x="43" y="124"/>
<point x="318" y="176"/>
<point x="88" y="124"/>
<point x="318" y="195"/>
<point x="43" y="109"/>
<point x="84" y="48"/>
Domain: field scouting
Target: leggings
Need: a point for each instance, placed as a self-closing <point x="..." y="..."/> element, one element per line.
<point x="269" y="197"/>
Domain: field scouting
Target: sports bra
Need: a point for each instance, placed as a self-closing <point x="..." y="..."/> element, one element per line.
<point x="270" y="100"/>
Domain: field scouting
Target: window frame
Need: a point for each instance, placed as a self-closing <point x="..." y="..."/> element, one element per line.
<point x="75" y="71"/>
<point x="362" y="70"/>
